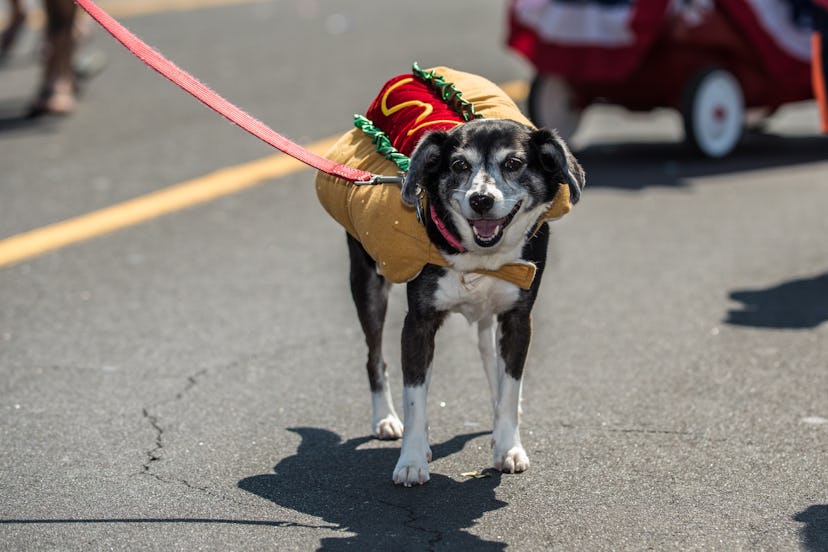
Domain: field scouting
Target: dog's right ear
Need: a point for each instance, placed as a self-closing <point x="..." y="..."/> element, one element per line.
<point x="425" y="160"/>
<point x="558" y="162"/>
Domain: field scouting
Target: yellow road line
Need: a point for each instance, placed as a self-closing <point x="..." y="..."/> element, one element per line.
<point x="146" y="7"/>
<point x="141" y="209"/>
<point x="177" y="197"/>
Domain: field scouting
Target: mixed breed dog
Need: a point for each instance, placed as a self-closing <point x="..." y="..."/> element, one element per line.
<point x="481" y="185"/>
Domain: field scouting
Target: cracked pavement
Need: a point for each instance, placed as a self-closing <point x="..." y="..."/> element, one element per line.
<point x="197" y="382"/>
<point x="155" y="453"/>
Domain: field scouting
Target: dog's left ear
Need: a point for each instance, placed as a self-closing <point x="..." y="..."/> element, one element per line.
<point x="425" y="160"/>
<point x="557" y="161"/>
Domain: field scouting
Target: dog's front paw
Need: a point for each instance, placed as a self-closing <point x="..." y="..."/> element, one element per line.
<point x="512" y="461"/>
<point x="411" y="473"/>
<point x="388" y="428"/>
<point x="412" y="467"/>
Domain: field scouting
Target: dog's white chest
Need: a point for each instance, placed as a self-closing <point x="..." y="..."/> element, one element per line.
<point x="475" y="296"/>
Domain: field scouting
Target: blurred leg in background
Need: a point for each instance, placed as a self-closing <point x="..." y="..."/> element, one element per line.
<point x="57" y="89"/>
<point x="17" y="18"/>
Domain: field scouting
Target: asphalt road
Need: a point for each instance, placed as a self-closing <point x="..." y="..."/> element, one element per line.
<point x="196" y="381"/>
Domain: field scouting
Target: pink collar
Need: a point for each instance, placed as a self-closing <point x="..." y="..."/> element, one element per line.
<point x="441" y="226"/>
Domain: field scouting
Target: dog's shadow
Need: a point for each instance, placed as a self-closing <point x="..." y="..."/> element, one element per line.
<point x="351" y="488"/>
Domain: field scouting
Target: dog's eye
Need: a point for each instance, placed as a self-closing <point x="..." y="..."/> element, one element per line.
<point x="512" y="164"/>
<point x="460" y="165"/>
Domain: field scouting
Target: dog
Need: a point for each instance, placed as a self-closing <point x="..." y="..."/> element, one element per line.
<point x="482" y="190"/>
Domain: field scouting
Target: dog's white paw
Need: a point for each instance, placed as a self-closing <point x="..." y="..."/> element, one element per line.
<point x="388" y="428"/>
<point x="411" y="473"/>
<point x="412" y="468"/>
<point x="512" y="461"/>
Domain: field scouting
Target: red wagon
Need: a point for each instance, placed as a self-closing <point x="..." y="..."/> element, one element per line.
<point x="711" y="60"/>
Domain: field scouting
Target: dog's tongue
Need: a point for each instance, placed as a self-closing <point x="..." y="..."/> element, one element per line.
<point x="486" y="228"/>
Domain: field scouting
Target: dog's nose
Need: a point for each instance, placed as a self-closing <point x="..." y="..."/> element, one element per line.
<point x="481" y="203"/>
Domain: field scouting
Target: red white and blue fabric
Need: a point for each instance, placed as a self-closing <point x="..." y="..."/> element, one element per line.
<point x="780" y="30"/>
<point x="596" y="40"/>
<point x="604" y="40"/>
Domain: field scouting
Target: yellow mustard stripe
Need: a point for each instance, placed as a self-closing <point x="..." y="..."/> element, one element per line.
<point x="427" y="108"/>
<point x="178" y="197"/>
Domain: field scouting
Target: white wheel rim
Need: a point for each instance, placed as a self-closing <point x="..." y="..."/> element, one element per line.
<point x="552" y="105"/>
<point x="718" y="113"/>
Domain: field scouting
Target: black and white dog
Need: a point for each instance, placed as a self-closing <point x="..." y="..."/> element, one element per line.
<point x="489" y="182"/>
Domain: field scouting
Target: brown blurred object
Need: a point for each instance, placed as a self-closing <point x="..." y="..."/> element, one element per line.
<point x="17" y="20"/>
<point x="57" y="90"/>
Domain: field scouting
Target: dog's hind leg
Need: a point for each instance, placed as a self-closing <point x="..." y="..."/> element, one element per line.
<point x="370" y="293"/>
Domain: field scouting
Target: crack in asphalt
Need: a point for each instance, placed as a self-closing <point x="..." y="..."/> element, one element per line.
<point x="651" y="431"/>
<point x="260" y="522"/>
<point x="155" y="454"/>
<point x="410" y="512"/>
<point x="413" y="518"/>
<point x="646" y="431"/>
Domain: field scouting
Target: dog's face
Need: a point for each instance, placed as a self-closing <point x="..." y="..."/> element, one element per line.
<point x="491" y="180"/>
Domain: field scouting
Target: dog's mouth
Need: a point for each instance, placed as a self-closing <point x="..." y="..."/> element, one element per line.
<point x="488" y="232"/>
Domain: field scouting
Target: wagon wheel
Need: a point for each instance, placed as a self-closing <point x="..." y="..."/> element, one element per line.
<point x="713" y="109"/>
<point x="551" y="105"/>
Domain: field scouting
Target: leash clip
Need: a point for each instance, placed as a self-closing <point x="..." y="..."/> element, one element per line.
<point x="419" y="207"/>
<point x="382" y="179"/>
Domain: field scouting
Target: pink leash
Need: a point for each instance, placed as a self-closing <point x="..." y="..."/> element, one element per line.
<point x="224" y="108"/>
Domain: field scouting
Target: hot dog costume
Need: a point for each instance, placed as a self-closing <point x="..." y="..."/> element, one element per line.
<point x="409" y="106"/>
